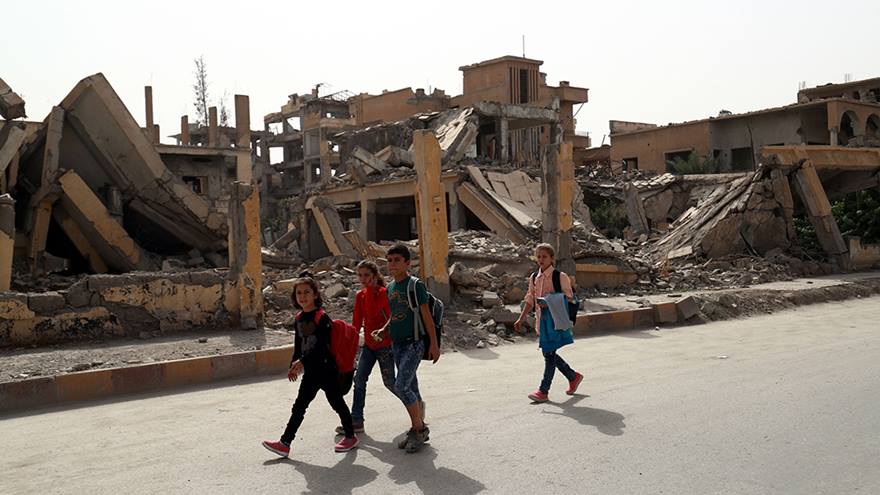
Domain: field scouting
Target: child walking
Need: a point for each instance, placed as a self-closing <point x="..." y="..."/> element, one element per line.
<point x="371" y="311"/>
<point x="407" y="349"/>
<point x="553" y="333"/>
<point x="312" y="359"/>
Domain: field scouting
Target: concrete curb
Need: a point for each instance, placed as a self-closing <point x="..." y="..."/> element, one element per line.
<point x="168" y="375"/>
<point x="112" y="382"/>
<point x="638" y="318"/>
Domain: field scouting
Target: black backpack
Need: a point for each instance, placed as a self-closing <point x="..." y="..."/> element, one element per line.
<point x="573" y="306"/>
<point x="435" y="306"/>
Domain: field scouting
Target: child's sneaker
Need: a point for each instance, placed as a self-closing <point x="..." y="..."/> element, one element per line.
<point x="406" y="436"/>
<point x="538" y="396"/>
<point x="346" y="444"/>
<point x="358" y="428"/>
<point x="277" y="447"/>
<point x="574" y="384"/>
<point x="415" y="440"/>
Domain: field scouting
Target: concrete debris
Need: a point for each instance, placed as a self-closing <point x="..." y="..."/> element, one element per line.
<point x="11" y="105"/>
<point x="104" y="231"/>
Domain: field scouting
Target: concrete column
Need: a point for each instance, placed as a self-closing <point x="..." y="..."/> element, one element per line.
<point x="114" y="202"/>
<point x="308" y="172"/>
<point x="431" y="215"/>
<point x="809" y="187"/>
<point x="558" y="194"/>
<point x="7" y="240"/>
<point x="501" y="148"/>
<point x="242" y="122"/>
<point x="368" y="218"/>
<point x="156" y="134"/>
<point x="324" y="148"/>
<point x="213" y="131"/>
<point x="148" y="106"/>
<point x="244" y="170"/>
<point x="456" y="212"/>
<point x="832" y="136"/>
<point x="244" y="296"/>
<point x="40" y="233"/>
<point x="184" y="130"/>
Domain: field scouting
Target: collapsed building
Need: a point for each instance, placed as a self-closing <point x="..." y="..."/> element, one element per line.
<point x="88" y="191"/>
<point x="110" y="232"/>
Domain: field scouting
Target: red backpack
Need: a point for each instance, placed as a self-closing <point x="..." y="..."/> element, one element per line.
<point x="344" y="340"/>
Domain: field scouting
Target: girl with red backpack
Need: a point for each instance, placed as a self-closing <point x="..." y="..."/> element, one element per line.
<point x="313" y="360"/>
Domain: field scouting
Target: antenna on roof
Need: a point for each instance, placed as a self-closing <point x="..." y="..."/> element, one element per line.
<point x="847" y="77"/>
<point x="802" y="85"/>
<point x="524" y="45"/>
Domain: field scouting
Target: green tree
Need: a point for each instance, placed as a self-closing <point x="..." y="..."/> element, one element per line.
<point x="695" y="164"/>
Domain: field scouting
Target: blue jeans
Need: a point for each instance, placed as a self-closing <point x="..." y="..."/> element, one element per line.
<point x="407" y="357"/>
<point x="552" y="362"/>
<point x="366" y="361"/>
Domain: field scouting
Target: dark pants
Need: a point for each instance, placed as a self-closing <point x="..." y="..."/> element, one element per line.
<point x="553" y="362"/>
<point x="308" y="389"/>
<point x="366" y="361"/>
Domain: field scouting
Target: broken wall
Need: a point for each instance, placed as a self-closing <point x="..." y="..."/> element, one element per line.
<point x="102" y="306"/>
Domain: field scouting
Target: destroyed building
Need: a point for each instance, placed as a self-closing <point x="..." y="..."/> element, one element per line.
<point x="89" y="191"/>
<point x="834" y="115"/>
<point x="108" y="231"/>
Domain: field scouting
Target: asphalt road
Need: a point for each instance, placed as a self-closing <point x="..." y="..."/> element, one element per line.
<point x="785" y="403"/>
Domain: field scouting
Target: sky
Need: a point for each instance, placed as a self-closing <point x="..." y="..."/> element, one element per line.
<point x="644" y="61"/>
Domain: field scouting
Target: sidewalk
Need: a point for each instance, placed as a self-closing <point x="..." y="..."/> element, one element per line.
<point x="267" y="354"/>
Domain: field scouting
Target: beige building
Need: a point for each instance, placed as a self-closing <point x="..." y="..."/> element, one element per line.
<point x="839" y="114"/>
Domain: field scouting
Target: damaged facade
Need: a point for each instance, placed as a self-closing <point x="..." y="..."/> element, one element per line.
<point x="834" y="115"/>
<point x="105" y="231"/>
<point x="90" y="191"/>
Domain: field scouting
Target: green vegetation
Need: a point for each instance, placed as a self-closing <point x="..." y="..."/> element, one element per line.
<point x="695" y="164"/>
<point x="610" y="218"/>
<point x="857" y="214"/>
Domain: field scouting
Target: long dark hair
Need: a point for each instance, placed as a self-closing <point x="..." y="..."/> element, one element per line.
<point x="373" y="267"/>
<point x="306" y="278"/>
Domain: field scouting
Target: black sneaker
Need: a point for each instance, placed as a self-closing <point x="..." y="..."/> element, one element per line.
<point x="415" y="440"/>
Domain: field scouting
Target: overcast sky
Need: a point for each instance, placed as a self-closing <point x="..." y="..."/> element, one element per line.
<point x="644" y="61"/>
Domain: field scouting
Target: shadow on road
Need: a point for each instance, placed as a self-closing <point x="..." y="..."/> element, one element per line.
<point x="484" y="354"/>
<point x="344" y="477"/>
<point x="607" y="422"/>
<point x="419" y="468"/>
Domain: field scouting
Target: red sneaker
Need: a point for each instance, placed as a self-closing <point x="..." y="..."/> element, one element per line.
<point x="346" y="444"/>
<point x="574" y="384"/>
<point x="538" y="396"/>
<point x="277" y="447"/>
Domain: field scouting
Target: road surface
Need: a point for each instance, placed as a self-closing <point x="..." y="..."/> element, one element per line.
<point x="784" y="403"/>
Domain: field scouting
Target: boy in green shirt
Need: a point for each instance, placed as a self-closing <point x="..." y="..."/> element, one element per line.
<point x="407" y="348"/>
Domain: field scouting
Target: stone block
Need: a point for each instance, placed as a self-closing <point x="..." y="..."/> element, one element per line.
<point x="643" y="318"/>
<point x="273" y="361"/>
<point x="46" y="302"/>
<point x="336" y="290"/>
<point x="665" y="312"/>
<point x="29" y="393"/>
<point x="502" y="315"/>
<point x="205" y="278"/>
<point x="186" y="372"/>
<point x="233" y="365"/>
<point x="490" y="299"/>
<point x="137" y="379"/>
<point x="88" y="385"/>
<point x="78" y="295"/>
<point x="687" y="308"/>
